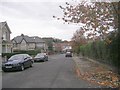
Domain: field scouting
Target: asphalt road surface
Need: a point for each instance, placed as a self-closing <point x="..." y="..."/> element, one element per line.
<point x="58" y="72"/>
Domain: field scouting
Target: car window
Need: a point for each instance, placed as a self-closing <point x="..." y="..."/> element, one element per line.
<point x="16" y="57"/>
<point x="39" y="55"/>
<point x="68" y="52"/>
<point x="27" y="56"/>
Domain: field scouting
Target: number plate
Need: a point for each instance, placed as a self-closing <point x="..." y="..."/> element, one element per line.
<point x="8" y="66"/>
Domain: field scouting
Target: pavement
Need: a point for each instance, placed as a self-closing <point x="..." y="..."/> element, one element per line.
<point x="96" y="72"/>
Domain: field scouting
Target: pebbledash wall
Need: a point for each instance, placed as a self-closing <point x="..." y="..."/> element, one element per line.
<point x="0" y="57"/>
<point x="0" y="40"/>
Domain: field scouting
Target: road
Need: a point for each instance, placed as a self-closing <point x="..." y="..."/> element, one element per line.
<point x="58" y="72"/>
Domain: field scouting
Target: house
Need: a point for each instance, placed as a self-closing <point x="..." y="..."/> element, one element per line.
<point x="51" y="42"/>
<point x="57" y="47"/>
<point x="25" y="42"/>
<point x="66" y="46"/>
<point x="62" y="46"/>
<point x="5" y="38"/>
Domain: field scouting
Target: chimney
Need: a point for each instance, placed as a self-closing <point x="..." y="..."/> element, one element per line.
<point x="22" y="35"/>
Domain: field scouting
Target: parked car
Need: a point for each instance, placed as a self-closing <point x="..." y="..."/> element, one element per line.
<point x="17" y="62"/>
<point x="41" y="57"/>
<point x="68" y="54"/>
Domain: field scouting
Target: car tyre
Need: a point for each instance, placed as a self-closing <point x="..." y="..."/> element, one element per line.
<point x="31" y="64"/>
<point x="22" y="68"/>
<point x="47" y="59"/>
<point x="4" y="70"/>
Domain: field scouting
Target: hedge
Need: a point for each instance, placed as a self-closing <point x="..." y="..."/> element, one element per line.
<point x="30" y="52"/>
<point x="102" y="52"/>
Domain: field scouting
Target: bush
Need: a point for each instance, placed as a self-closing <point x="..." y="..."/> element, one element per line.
<point x="30" y="52"/>
<point x="99" y="51"/>
<point x="8" y="54"/>
<point x="104" y="52"/>
<point x="115" y="49"/>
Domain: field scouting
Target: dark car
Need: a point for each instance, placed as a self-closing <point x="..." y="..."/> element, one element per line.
<point x="41" y="57"/>
<point x="68" y="54"/>
<point x="17" y="62"/>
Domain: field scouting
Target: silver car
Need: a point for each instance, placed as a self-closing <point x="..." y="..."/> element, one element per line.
<point x="68" y="54"/>
<point x="41" y="57"/>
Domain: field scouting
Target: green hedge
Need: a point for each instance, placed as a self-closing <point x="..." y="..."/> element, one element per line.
<point x="115" y="49"/>
<point x="30" y="52"/>
<point x="8" y="54"/>
<point x="99" y="50"/>
<point x="89" y="50"/>
<point x="107" y="51"/>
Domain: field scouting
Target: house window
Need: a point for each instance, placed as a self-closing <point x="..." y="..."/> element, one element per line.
<point x="14" y="45"/>
<point x="5" y="36"/>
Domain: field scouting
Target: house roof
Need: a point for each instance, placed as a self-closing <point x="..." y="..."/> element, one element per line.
<point x="2" y="24"/>
<point x="28" y="39"/>
<point x="37" y="39"/>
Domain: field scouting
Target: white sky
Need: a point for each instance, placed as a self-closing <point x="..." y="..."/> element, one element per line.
<point x="35" y="18"/>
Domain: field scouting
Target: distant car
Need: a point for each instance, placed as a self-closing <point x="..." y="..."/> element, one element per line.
<point x="17" y="62"/>
<point x="41" y="57"/>
<point x="68" y="54"/>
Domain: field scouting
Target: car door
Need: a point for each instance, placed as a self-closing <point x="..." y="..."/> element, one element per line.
<point x="27" y="61"/>
<point x="45" y="56"/>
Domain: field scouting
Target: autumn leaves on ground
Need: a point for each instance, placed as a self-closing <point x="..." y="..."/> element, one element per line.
<point x="96" y="73"/>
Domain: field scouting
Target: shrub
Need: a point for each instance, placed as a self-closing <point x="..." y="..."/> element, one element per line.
<point x="107" y="53"/>
<point x="97" y="50"/>
<point x="30" y="52"/>
<point x="8" y="54"/>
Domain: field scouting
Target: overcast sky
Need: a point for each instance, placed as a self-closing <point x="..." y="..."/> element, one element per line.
<point x="35" y="18"/>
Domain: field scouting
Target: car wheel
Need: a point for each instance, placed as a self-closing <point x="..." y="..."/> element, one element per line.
<point x="46" y="59"/>
<point x="4" y="70"/>
<point x="22" y="68"/>
<point x="31" y="64"/>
